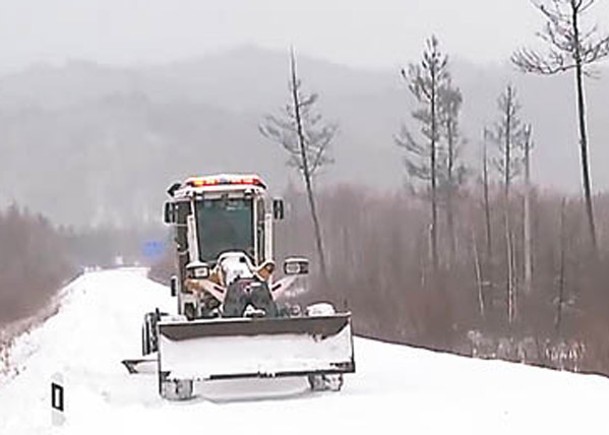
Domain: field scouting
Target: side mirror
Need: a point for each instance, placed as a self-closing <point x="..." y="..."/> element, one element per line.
<point x="278" y="209"/>
<point x="296" y="266"/>
<point x="169" y="213"/>
<point x="172" y="189"/>
<point x="173" y="284"/>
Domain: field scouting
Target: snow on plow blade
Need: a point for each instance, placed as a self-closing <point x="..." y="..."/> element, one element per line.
<point x="257" y="347"/>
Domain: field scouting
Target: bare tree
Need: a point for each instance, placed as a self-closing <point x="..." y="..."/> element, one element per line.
<point x="487" y="207"/>
<point x="560" y="298"/>
<point x="478" y="271"/>
<point x="453" y="172"/>
<point x="306" y="138"/>
<point x="487" y="267"/>
<point x="508" y="134"/>
<point x="424" y="82"/>
<point x="569" y="47"/>
<point x="528" y="260"/>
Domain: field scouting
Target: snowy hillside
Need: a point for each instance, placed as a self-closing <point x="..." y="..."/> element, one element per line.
<point x="396" y="389"/>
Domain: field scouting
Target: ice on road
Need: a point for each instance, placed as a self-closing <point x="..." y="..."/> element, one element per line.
<point x="397" y="389"/>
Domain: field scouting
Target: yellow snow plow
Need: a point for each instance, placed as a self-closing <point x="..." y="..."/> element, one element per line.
<point x="229" y="323"/>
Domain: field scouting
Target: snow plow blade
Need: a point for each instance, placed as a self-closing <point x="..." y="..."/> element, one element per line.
<point x="226" y="348"/>
<point x="141" y="365"/>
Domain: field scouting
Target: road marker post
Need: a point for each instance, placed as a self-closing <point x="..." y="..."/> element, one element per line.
<point x="57" y="400"/>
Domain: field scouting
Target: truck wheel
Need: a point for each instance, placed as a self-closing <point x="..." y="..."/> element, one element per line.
<point x="149" y="339"/>
<point x="145" y="340"/>
<point x="177" y="389"/>
<point x="325" y="382"/>
<point x="190" y="311"/>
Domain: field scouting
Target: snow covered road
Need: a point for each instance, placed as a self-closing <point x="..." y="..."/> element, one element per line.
<point x="396" y="389"/>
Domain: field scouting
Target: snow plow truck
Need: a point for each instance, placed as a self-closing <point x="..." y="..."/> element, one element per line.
<point x="230" y="322"/>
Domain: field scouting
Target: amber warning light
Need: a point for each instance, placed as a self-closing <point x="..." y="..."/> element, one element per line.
<point x="224" y="180"/>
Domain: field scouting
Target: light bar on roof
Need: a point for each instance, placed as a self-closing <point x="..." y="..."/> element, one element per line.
<point x="225" y="180"/>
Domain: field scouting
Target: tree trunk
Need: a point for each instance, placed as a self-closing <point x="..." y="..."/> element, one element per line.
<point x="317" y="228"/>
<point x="561" y="273"/>
<point x="508" y="145"/>
<point x="528" y="262"/>
<point x="510" y="273"/>
<point x="506" y="197"/>
<point x="306" y="172"/>
<point x="434" y="200"/>
<point x="450" y="219"/>
<point x="487" y="210"/>
<point x="583" y="136"/>
<point x="478" y="277"/>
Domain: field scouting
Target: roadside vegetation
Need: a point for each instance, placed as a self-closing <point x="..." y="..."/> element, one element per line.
<point x="471" y="257"/>
<point x="380" y="263"/>
<point x="34" y="263"/>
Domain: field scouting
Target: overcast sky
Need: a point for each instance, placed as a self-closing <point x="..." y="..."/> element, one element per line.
<point x="369" y="33"/>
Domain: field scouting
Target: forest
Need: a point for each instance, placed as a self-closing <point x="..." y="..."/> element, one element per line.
<point x="469" y="257"/>
<point x="469" y="254"/>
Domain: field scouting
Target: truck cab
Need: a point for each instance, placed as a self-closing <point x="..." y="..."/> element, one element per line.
<point x="226" y="217"/>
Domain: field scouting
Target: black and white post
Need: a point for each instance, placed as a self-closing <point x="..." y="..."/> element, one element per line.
<point x="57" y="400"/>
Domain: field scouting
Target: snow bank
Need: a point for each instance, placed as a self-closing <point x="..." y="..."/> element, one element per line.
<point x="396" y="389"/>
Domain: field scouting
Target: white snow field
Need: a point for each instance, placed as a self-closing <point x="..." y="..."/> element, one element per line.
<point x="396" y="389"/>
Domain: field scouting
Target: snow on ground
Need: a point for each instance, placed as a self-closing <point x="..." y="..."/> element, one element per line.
<point x="396" y="389"/>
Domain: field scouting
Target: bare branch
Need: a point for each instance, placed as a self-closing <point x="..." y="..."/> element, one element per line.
<point x="530" y="61"/>
<point x="567" y="44"/>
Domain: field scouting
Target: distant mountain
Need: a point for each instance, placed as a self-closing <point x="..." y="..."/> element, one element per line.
<point x="89" y="143"/>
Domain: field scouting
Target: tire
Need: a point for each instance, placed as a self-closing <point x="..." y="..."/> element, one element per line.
<point x="190" y="311"/>
<point x="149" y="338"/>
<point x="323" y="382"/>
<point x="177" y="389"/>
<point x="145" y="339"/>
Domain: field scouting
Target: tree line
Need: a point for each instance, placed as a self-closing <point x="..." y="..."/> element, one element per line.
<point x="37" y="258"/>
<point x="34" y="263"/>
<point x="470" y="257"/>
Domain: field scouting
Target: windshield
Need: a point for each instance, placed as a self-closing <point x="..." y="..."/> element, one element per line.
<point x="224" y="224"/>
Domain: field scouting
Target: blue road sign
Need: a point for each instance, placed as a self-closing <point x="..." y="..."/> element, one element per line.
<point x="153" y="249"/>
